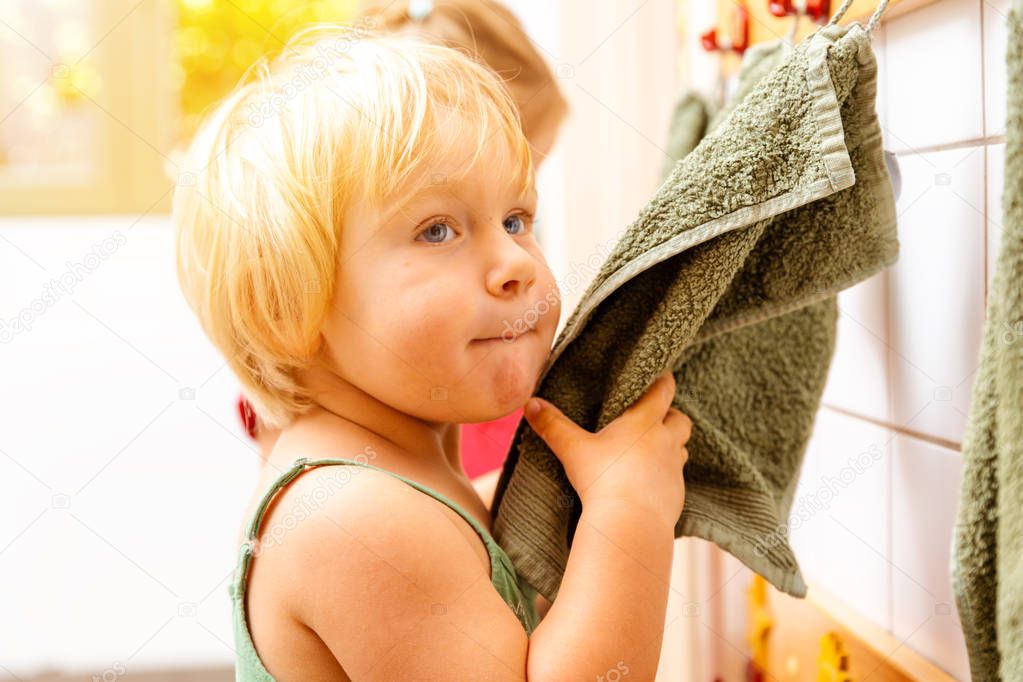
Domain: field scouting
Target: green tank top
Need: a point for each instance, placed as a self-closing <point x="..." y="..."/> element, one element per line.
<point x="519" y="595"/>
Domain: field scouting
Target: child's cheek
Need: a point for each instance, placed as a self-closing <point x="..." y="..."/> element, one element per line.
<point x="433" y="321"/>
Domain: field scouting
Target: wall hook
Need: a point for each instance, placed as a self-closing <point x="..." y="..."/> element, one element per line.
<point x="818" y="10"/>
<point x="737" y="42"/>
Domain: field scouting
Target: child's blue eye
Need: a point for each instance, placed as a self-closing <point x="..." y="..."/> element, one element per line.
<point x="520" y="219"/>
<point x="431" y="231"/>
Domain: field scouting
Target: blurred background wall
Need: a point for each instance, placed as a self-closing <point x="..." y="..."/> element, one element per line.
<point x="123" y="465"/>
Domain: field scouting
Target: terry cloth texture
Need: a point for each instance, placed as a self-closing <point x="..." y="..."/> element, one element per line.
<point x="728" y="277"/>
<point x="689" y="119"/>
<point x="987" y="549"/>
<point x="695" y="114"/>
<point x="758" y="61"/>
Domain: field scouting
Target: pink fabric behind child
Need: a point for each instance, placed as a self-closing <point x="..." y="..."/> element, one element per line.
<point x="485" y="445"/>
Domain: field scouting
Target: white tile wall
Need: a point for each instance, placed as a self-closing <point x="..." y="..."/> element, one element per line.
<point x="839" y="521"/>
<point x="936" y="295"/>
<point x="933" y="76"/>
<point x="995" y="14"/>
<point x="925" y="480"/>
<point x="995" y="179"/>
<point x="858" y="380"/>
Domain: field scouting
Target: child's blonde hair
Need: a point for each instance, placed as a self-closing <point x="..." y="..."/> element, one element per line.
<point x="342" y="114"/>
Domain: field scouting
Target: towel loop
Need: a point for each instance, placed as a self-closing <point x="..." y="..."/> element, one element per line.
<point x="790" y="37"/>
<point x="876" y="17"/>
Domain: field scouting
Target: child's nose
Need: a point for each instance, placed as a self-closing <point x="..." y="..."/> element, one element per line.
<point x="512" y="269"/>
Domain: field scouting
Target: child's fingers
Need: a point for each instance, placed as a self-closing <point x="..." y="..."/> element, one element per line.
<point x="655" y="401"/>
<point x="550" y="423"/>
<point x="679" y="423"/>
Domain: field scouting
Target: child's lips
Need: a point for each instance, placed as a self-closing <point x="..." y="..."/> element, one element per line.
<point x="507" y="338"/>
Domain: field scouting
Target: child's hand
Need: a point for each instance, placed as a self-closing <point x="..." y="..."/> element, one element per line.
<point x="636" y="459"/>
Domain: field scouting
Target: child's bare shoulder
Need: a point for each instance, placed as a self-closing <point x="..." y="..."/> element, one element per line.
<point x="364" y="522"/>
<point x="378" y="567"/>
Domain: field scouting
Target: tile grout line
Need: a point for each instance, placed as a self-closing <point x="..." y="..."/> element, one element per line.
<point x="985" y="141"/>
<point x="893" y="427"/>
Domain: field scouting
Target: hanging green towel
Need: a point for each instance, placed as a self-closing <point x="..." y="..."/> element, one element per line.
<point x="695" y="114"/>
<point x="987" y="554"/>
<point x="689" y="119"/>
<point x="785" y="203"/>
<point x="758" y="61"/>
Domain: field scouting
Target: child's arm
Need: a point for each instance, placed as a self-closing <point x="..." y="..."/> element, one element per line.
<point x="610" y="611"/>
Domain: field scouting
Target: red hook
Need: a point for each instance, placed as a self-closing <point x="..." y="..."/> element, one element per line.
<point x="818" y="10"/>
<point x="740" y="35"/>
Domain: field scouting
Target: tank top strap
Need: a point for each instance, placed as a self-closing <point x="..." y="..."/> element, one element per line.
<point x="300" y="464"/>
<point x="502" y="571"/>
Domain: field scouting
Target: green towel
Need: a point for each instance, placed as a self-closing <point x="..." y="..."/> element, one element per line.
<point x="695" y="114"/>
<point x="689" y="119"/>
<point x="728" y="277"/>
<point x="758" y="61"/>
<point x="987" y="553"/>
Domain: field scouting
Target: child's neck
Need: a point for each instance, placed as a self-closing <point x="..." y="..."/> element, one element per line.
<point x="430" y="444"/>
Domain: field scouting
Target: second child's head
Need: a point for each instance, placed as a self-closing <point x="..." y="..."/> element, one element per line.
<point x="362" y="211"/>
<point x="492" y="33"/>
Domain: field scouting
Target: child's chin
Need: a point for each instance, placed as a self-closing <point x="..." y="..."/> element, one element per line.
<point x="493" y="415"/>
<point x="495" y="390"/>
<point x="508" y="404"/>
